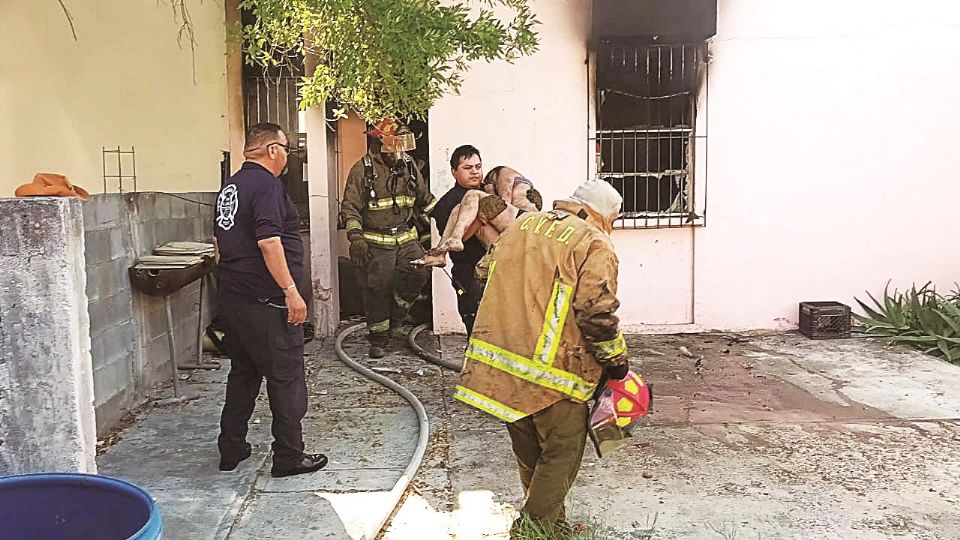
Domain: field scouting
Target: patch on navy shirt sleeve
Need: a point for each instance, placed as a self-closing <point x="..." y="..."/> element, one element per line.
<point x="227" y="204"/>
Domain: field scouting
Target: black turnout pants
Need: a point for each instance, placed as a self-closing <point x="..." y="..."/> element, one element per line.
<point x="392" y="286"/>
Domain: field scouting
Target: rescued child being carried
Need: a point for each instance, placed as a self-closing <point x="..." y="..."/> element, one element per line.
<point x="505" y="195"/>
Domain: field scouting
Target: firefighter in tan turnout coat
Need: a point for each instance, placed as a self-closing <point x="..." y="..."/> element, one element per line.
<point x="545" y="335"/>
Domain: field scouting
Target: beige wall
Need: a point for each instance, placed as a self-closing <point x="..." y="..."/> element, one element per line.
<point x="351" y="146"/>
<point x="124" y="82"/>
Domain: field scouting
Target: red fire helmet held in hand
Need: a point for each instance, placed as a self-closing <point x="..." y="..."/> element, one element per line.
<point x="615" y="411"/>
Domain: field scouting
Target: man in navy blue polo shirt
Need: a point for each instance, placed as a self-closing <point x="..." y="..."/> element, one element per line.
<point x="260" y="263"/>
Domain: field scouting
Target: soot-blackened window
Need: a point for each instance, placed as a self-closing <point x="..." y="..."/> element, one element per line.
<point x="646" y="128"/>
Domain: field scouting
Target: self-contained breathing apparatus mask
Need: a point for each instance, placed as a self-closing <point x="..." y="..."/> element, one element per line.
<point x="395" y="139"/>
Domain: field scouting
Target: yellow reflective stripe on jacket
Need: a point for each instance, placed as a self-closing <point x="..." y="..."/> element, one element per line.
<point x="487" y="405"/>
<point x="391" y="240"/>
<point x="386" y="203"/>
<point x="530" y="371"/>
<point x="553" y="323"/>
<point x="353" y="224"/>
<point x="608" y="350"/>
<point x="429" y="208"/>
<point x="493" y="266"/>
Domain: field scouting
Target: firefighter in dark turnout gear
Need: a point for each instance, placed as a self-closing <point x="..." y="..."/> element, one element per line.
<point x="384" y="200"/>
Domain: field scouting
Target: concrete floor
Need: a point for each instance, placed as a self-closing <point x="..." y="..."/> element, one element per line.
<point x="367" y="432"/>
<point x="771" y="437"/>
<point x="765" y="437"/>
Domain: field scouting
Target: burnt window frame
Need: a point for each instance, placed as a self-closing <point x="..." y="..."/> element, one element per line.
<point x="666" y="187"/>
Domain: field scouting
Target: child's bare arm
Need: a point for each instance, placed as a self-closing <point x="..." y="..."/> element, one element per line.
<point x="505" y="185"/>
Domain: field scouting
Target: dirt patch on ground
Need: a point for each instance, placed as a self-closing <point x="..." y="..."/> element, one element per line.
<point x="716" y="378"/>
<point x="115" y="434"/>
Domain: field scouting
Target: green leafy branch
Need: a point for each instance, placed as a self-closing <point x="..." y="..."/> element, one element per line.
<point x="385" y="58"/>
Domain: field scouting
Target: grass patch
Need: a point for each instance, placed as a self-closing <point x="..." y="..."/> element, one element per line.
<point x="593" y="529"/>
<point x="728" y="531"/>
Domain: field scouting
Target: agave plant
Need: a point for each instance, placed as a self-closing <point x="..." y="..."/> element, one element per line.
<point x="920" y="318"/>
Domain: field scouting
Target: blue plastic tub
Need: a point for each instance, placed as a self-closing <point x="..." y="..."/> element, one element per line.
<point x="60" y="506"/>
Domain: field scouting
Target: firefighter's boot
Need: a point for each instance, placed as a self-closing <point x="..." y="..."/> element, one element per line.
<point x="378" y="344"/>
<point x="396" y="330"/>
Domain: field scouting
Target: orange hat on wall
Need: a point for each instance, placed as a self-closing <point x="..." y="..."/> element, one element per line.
<point x="51" y="185"/>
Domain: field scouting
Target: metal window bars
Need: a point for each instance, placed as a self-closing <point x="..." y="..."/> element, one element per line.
<point x="273" y="99"/>
<point x="646" y="137"/>
<point x="274" y="96"/>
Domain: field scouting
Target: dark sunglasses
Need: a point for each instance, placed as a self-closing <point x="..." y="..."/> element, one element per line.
<point x="284" y="146"/>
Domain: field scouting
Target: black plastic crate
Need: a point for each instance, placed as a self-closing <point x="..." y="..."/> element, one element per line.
<point x="824" y="320"/>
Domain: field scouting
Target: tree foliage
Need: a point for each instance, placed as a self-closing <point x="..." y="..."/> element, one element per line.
<point x="386" y="58"/>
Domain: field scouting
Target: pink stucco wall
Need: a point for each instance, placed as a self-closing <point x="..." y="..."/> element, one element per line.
<point x="831" y="160"/>
<point x="832" y="156"/>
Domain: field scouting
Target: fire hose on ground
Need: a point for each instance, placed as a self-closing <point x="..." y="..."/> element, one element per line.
<point x="400" y="487"/>
<point x="423" y="424"/>
<point x="429" y="357"/>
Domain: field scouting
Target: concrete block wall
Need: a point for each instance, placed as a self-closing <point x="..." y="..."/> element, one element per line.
<point x="47" y="418"/>
<point x="157" y="218"/>
<point x="128" y="329"/>
<point x="109" y="251"/>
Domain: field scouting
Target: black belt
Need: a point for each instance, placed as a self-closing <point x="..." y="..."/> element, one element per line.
<point x="276" y="302"/>
<point x="261" y="300"/>
<point x="392" y="231"/>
